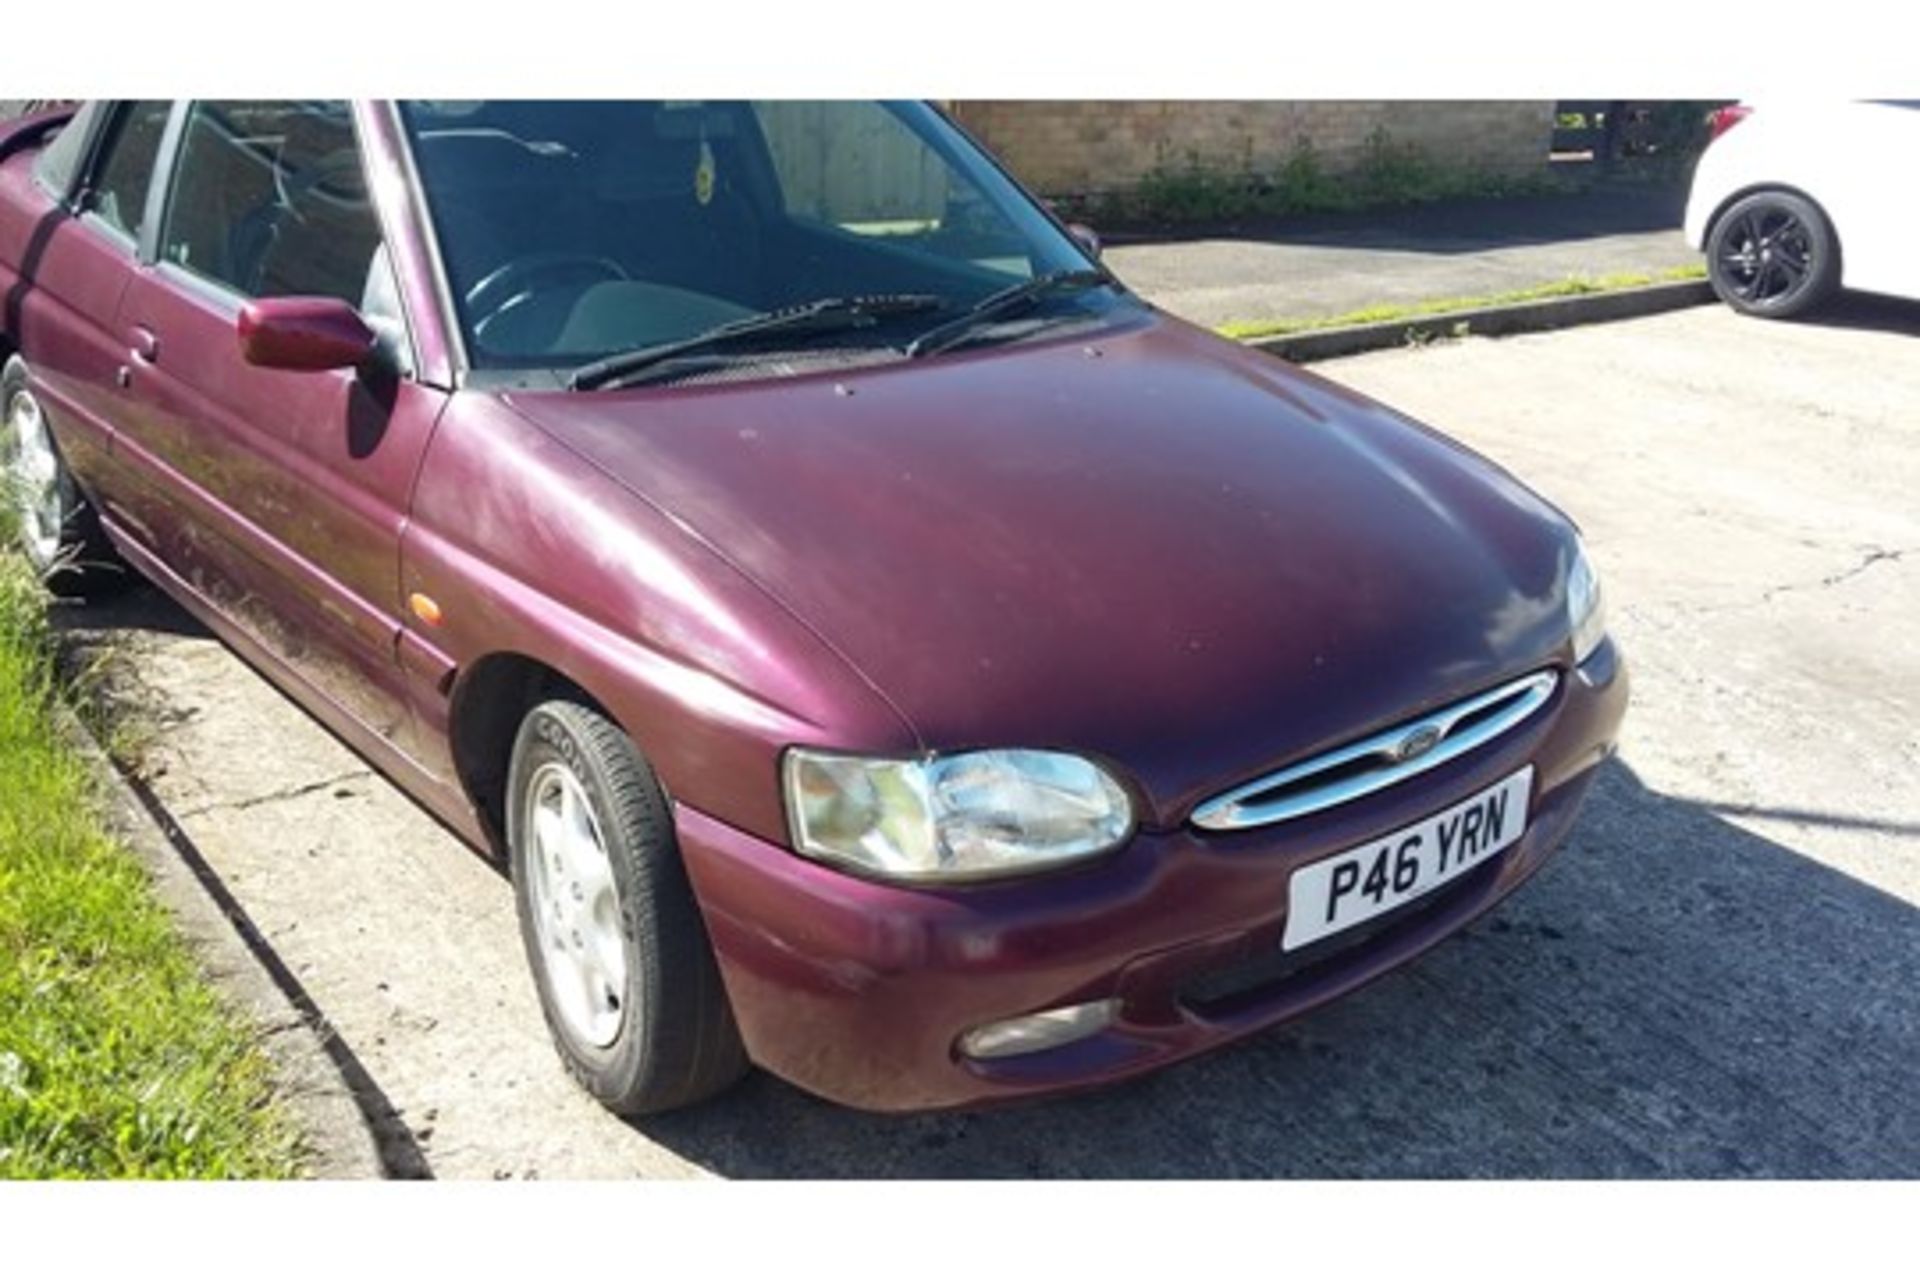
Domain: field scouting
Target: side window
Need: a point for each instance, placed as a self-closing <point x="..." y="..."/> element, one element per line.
<point x="269" y="199"/>
<point x="60" y="158"/>
<point x="118" y="192"/>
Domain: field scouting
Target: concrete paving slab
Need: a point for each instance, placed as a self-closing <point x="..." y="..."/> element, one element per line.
<point x="1719" y="975"/>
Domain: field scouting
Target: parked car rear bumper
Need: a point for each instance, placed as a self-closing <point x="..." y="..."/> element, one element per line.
<point x="859" y="991"/>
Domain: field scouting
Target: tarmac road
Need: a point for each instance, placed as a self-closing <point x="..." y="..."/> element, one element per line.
<point x="1719" y="975"/>
<point x="1337" y="263"/>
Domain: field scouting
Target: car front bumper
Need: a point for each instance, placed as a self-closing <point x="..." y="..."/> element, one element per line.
<point x="859" y="991"/>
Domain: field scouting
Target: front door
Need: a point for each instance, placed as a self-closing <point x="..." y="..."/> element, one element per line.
<point x="278" y="496"/>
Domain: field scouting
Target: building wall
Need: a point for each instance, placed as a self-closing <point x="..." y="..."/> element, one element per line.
<point x="1075" y="148"/>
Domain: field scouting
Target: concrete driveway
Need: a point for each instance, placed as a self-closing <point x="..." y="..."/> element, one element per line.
<point x="1720" y="975"/>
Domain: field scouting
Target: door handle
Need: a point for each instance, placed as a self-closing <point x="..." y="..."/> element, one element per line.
<point x="146" y="347"/>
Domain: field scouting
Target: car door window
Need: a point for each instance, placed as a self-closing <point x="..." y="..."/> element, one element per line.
<point x="118" y="193"/>
<point x="269" y="199"/>
<point x="60" y="159"/>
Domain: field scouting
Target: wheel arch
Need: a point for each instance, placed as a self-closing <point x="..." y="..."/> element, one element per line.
<point x="489" y="701"/>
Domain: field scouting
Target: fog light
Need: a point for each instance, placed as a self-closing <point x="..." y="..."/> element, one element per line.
<point x="1039" y="1031"/>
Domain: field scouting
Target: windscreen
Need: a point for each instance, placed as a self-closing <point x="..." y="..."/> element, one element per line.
<point x="571" y="230"/>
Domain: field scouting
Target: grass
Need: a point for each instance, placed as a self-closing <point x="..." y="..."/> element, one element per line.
<point x="117" y="1058"/>
<point x="1571" y="286"/>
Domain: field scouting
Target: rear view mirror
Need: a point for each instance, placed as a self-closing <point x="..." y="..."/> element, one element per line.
<point x="306" y="334"/>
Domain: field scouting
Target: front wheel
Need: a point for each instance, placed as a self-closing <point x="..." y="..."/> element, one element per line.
<point x="49" y="520"/>
<point x="614" y="936"/>
<point x="1773" y="254"/>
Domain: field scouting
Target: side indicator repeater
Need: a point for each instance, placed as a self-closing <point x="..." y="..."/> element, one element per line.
<point x="425" y="608"/>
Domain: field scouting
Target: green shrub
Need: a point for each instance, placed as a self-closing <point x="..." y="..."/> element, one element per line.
<point x="1387" y="173"/>
<point x="1191" y="193"/>
<point x="1677" y="131"/>
<point x="1306" y="183"/>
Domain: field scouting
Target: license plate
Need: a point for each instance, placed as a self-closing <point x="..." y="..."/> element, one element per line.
<point x="1350" y="888"/>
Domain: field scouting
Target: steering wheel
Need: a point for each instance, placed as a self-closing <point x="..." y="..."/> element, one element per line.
<point x="511" y="283"/>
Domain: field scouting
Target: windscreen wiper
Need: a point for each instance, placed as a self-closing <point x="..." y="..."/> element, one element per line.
<point x="995" y="305"/>
<point x="823" y="315"/>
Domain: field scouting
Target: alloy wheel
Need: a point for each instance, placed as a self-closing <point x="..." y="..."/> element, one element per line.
<point x="32" y="478"/>
<point x="576" y="907"/>
<point x="1767" y="256"/>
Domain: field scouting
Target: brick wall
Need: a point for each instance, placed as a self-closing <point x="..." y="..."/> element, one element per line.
<point x="1073" y="148"/>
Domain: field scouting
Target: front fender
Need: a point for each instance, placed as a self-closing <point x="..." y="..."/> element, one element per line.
<point x="528" y="549"/>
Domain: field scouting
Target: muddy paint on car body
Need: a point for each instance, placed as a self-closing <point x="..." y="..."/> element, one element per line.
<point x="1134" y="541"/>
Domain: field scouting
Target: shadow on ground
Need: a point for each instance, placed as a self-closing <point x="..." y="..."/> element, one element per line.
<point x="1450" y="226"/>
<point x="1672" y="996"/>
<point x="1870" y="311"/>
<point x="131" y="606"/>
<point x="100" y="671"/>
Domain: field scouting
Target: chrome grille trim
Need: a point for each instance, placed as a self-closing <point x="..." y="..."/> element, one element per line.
<point x="1499" y="710"/>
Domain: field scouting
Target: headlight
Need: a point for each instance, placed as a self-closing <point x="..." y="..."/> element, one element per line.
<point x="984" y="813"/>
<point x="1586" y="616"/>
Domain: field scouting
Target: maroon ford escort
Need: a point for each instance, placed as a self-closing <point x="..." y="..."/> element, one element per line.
<point x="881" y="647"/>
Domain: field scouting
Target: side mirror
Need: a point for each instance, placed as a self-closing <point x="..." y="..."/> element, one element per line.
<point x="1085" y="236"/>
<point x="305" y="334"/>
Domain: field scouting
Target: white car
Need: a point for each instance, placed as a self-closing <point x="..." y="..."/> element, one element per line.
<point x="1792" y="201"/>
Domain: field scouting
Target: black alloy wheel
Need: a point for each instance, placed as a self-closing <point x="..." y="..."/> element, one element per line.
<point x="1773" y="254"/>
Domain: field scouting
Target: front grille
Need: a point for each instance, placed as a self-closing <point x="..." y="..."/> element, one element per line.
<point x="1380" y="760"/>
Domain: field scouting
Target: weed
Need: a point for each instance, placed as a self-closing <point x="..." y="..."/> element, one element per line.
<point x="117" y="1058"/>
<point x="1387" y="173"/>
<point x="1569" y="287"/>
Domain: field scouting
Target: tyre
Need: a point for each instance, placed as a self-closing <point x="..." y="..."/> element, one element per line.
<point x="45" y="513"/>
<point x="615" y="939"/>
<point x="1773" y="254"/>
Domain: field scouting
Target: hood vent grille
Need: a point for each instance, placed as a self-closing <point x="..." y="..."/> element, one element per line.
<point x="1379" y="761"/>
<point x="771" y="364"/>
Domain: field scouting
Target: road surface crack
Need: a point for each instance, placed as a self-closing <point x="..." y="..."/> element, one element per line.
<point x="1869" y="557"/>
<point x="274" y="797"/>
<point x="1872" y="556"/>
